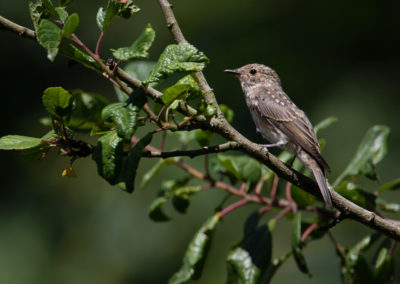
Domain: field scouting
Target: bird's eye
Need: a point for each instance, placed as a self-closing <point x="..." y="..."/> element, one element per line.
<point x="253" y="71"/>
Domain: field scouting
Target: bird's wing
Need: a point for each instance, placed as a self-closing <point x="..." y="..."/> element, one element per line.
<point x="282" y="113"/>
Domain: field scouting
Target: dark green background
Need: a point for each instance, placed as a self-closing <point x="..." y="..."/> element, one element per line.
<point x="334" y="58"/>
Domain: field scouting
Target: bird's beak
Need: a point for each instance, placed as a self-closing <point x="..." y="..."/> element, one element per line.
<point x="232" y="71"/>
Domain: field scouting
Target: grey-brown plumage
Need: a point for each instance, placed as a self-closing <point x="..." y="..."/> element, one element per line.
<point x="280" y="121"/>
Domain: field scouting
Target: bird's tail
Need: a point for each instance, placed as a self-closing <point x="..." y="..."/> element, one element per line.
<point x="319" y="175"/>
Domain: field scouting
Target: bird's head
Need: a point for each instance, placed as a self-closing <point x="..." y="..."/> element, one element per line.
<point x="254" y="74"/>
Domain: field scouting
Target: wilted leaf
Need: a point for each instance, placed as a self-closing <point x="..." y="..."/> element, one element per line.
<point x="196" y="253"/>
<point x="177" y="58"/>
<point x="139" y="48"/>
<point x="68" y="172"/>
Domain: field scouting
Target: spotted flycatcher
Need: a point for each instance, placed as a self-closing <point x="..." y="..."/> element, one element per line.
<point x="280" y="121"/>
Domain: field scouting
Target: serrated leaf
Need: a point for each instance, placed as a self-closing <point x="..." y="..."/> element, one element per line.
<point x="18" y="142"/>
<point x="71" y="25"/>
<point x="325" y="124"/>
<point x="78" y="55"/>
<point x="125" y="115"/>
<point x="156" y="212"/>
<point x="108" y="156"/>
<point x="156" y="168"/>
<point x="139" y="48"/>
<point x="296" y="245"/>
<point x="392" y="185"/>
<point x="114" y="8"/>
<point x="196" y="253"/>
<point x="49" y="36"/>
<point x="177" y="58"/>
<point x="370" y="152"/>
<point x="132" y="162"/>
<point x="357" y="194"/>
<point x="58" y="102"/>
<point x="62" y="14"/>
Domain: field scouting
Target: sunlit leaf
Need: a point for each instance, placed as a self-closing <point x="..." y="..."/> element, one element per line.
<point x="139" y="48"/>
<point x="18" y="142"/>
<point x="78" y="55"/>
<point x="115" y="8"/>
<point x="177" y="58"/>
<point x="58" y="102"/>
<point x="49" y="36"/>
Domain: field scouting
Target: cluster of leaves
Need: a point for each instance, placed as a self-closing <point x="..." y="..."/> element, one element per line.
<point x="118" y="151"/>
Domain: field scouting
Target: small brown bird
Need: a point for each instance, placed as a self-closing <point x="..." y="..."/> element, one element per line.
<point x="280" y="121"/>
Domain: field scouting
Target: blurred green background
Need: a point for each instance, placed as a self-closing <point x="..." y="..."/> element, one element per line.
<point x="337" y="58"/>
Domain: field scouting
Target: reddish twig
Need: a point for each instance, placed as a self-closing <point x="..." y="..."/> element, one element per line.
<point x="308" y="231"/>
<point x="232" y="207"/>
<point x="98" y="43"/>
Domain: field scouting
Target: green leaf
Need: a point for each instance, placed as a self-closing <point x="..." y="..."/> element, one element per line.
<point x="125" y="116"/>
<point x="357" y="194"/>
<point x="39" y="152"/>
<point x="156" y="168"/>
<point x="156" y="212"/>
<point x="325" y="123"/>
<point x="71" y="25"/>
<point x="296" y="245"/>
<point x="37" y="13"/>
<point x="180" y="199"/>
<point x="78" y="55"/>
<point x="354" y="253"/>
<point x="196" y="253"/>
<point x="273" y="267"/>
<point x="58" y="102"/>
<point x="301" y="197"/>
<point x="115" y="9"/>
<point x="139" y="48"/>
<point x="132" y="162"/>
<point x="86" y="113"/>
<point x="49" y="36"/>
<point x="18" y="142"/>
<point x="370" y="152"/>
<point x="393" y="185"/>
<point x="247" y="261"/>
<point x="203" y="137"/>
<point x="228" y="113"/>
<point x="108" y="156"/>
<point x="242" y="168"/>
<point x="177" y="58"/>
<point x="62" y="14"/>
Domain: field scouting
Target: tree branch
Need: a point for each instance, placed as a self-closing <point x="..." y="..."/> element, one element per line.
<point x="193" y="153"/>
<point x="220" y="125"/>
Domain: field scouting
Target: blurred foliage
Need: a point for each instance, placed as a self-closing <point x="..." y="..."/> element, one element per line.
<point x="349" y="66"/>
